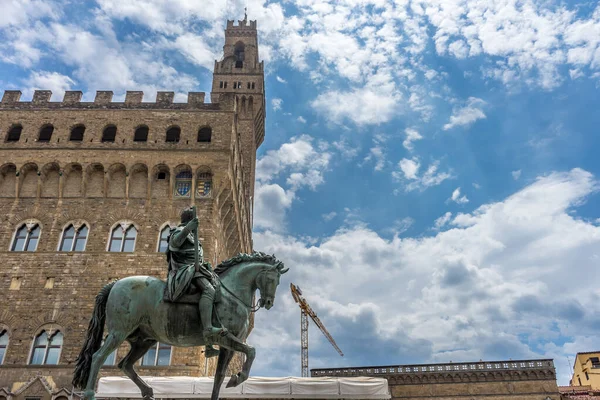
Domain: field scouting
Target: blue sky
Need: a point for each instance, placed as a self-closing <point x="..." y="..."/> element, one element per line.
<point x="429" y="171"/>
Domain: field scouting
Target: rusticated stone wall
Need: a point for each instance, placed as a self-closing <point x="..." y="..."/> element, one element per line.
<point x="105" y="164"/>
<point x="103" y="184"/>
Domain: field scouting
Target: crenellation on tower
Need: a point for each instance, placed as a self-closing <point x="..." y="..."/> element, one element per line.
<point x="72" y="97"/>
<point x="103" y="97"/>
<point x="165" y="98"/>
<point x="11" y="96"/>
<point x="41" y="96"/>
<point x="134" y="97"/>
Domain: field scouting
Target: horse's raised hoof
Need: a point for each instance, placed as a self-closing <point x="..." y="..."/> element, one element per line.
<point x="233" y="381"/>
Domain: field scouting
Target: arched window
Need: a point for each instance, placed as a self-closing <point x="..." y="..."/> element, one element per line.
<point x="3" y="345"/>
<point x="183" y="184"/>
<point x="74" y="239"/>
<point x="205" y="134"/>
<point x="204" y="184"/>
<point x="141" y="134"/>
<point x="157" y="355"/>
<point x="14" y="133"/>
<point x="46" y="350"/>
<point x="46" y="133"/>
<point x="163" y="239"/>
<point x="238" y="52"/>
<point x="173" y="134"/>
<point x="77" y="133"/>
<point x="122" y="239"/>
<point x="109" y="134"/>
<point x="26" y="238"/>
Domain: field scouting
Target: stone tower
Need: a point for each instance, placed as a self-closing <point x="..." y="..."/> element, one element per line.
<point x="242" y="73"/>
<point x="89" y="191"/>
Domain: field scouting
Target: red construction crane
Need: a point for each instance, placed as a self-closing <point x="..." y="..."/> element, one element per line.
<point x="306" y="311"/>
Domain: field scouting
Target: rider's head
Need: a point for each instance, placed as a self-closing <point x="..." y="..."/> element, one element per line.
<point x="187" y="215"/>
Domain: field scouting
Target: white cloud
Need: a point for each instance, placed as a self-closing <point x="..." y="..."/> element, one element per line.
<point x="345" y="148"/>
<point x="443" y="220"/>
<point x="15" y="13"/>
<point x="280" y="79"/>
<point x="467" y="115"/>
<point x="271" y="204"/>
<point x="299" y="164"/>
<point x="456" y="197"/>
<point x="411" y="136"/>
<point x="53" y="81"/>
<point x="409" y="168"/>
<point x="366" y="106"/>
<point x="301" y="119"/>
<point x="500" y="273"/>
<point x="329" y="216"/>
<point x="408" y="173"/>
<point x="516" y="174"/>
<point x="377" y="152"/>
<point x="400" y="226"/>
<point x="195" y="49"/>
<point x="276" y="103"/>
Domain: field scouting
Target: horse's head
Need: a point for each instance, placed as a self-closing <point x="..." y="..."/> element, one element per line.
<point x="267" y="282"/>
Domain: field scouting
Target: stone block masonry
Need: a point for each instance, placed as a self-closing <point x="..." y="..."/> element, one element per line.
<point x="74" y="172"/>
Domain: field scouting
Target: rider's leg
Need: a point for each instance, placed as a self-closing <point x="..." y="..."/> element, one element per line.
<point x="206" y="309"/>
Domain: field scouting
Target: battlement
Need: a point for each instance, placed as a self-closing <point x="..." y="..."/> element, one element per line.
<point x="242" y="25"/>
<point x="104" y="99"/>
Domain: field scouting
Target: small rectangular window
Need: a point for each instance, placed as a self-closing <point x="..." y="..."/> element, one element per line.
<point x="221" y="84"/>
<point x="252" y="85"/>
<point x="225" y="85"/>
<point x="248" y="85"/>
<point x="239" y="85"/>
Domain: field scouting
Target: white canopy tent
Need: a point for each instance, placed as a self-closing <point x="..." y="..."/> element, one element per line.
<point x="253" y="388"/>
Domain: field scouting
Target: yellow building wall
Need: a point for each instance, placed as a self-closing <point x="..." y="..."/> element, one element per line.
<point x="586" y="370"/>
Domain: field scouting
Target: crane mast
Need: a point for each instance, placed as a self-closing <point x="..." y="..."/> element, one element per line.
<point x="305" y="312"/>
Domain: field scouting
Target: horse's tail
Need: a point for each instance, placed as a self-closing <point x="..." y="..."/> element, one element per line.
<point x="93" y="339"/>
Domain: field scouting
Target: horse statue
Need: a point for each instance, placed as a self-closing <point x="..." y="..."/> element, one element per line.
<point x="134" y="309"/>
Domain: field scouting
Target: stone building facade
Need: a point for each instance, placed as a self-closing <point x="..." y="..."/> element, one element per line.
<point x="493" y="380"/>
<point x="89" y="191"/>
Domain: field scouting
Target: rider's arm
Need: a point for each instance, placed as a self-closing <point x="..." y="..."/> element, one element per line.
<point x="178" y="237"/>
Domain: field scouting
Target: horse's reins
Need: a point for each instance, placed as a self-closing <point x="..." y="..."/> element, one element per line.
<point x="259" y="306"/>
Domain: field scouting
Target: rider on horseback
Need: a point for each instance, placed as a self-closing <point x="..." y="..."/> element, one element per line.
<point x="183" y="273"/>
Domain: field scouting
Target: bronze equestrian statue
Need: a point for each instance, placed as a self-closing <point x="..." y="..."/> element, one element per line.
<point x="187" y="270"/>
<point x="140" y="310"/>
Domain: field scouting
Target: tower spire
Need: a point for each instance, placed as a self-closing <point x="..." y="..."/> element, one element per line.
<point x="246" y="14"/>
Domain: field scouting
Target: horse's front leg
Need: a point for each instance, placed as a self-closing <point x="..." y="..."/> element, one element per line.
<point x="233" y="343"/>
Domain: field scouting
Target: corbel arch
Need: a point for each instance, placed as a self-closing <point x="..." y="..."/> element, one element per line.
<point x="50" y="178"/>
<point x="8" y="180"/>
<point x="94" y="180"/>
<point x="28" y="180"/>
<point x="117" y="180"/>
<point x="138" y="181"/>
